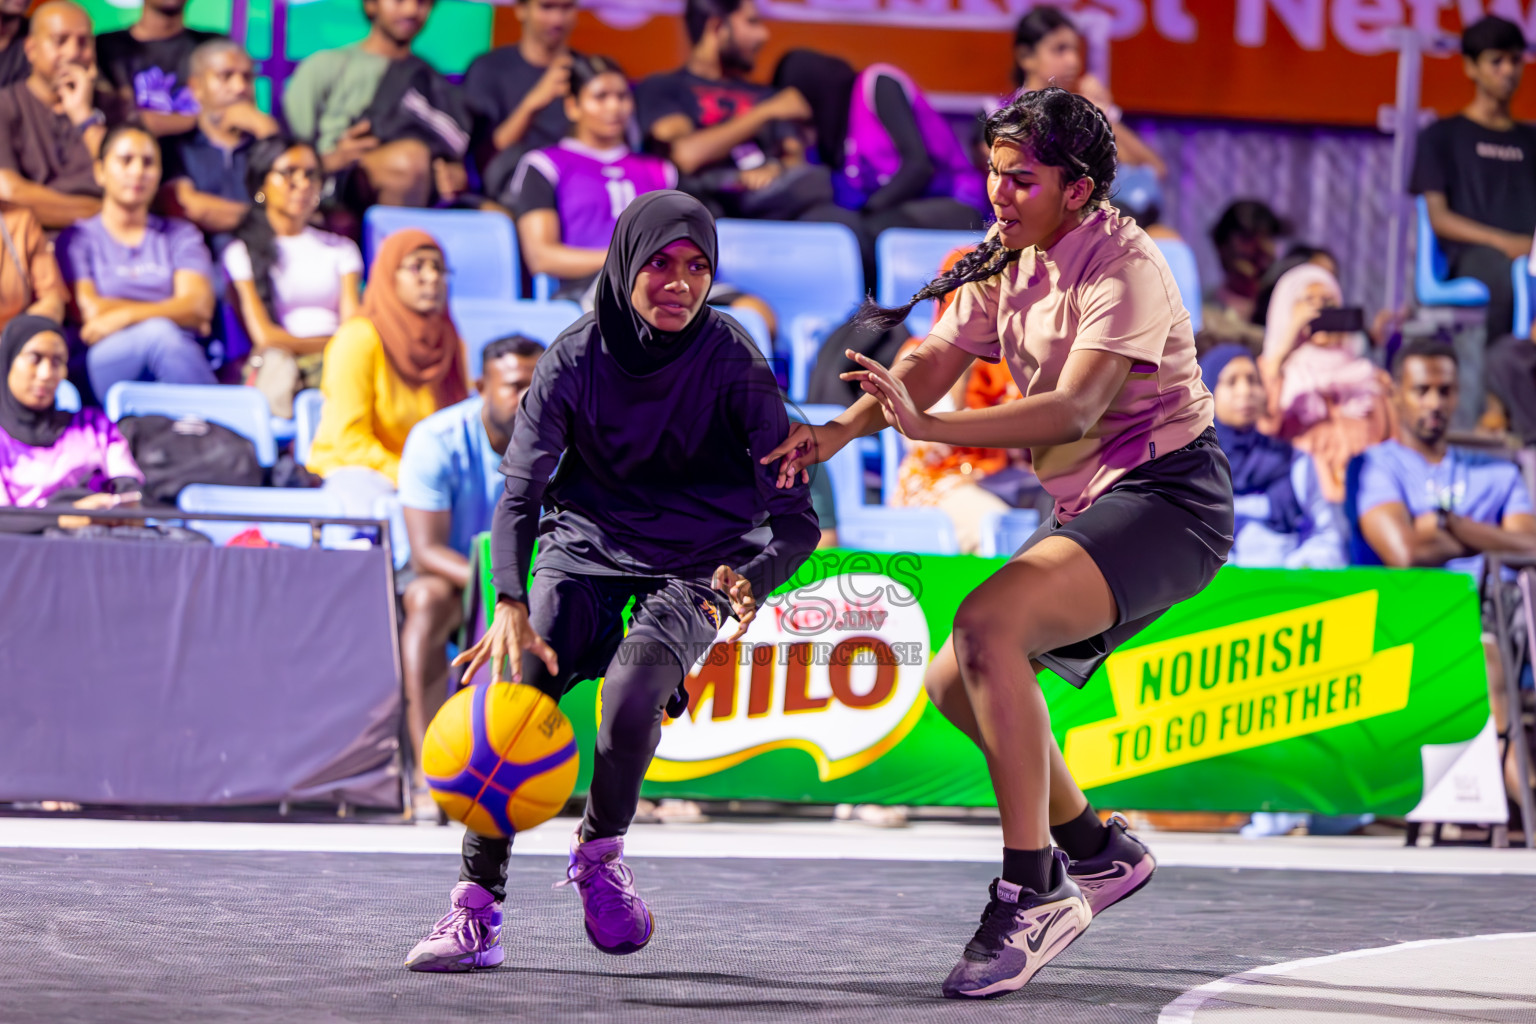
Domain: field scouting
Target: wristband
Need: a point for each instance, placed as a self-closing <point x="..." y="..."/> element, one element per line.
<point x="96" y="118"/>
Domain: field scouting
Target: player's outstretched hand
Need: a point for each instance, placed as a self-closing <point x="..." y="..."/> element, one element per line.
<point x="743" y="605"/>
<point x="805" y="446"/>
<point x="895" y="400"/>
<point x="509" y="634"/>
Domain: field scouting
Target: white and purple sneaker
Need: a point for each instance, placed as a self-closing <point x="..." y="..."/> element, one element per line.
<point x="617" y="919"/>
<point x="1119" y="870"/>
<point x="1021" y="931"/>
<point x="465" y="938"/>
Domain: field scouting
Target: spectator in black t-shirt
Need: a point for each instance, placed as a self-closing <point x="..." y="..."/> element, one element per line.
<point x="519" y="91"/>
<point x="204" y="177"/>
<point x="735" y="142"/>
<point x="13" y="33"/>
<point x="148" y="64"/>
<point x="1477" y="170"/>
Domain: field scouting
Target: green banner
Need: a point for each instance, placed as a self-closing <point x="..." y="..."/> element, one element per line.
<point x="1338" y="692"/>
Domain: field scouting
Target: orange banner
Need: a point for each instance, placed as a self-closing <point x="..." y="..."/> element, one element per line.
<point x="1315" y="61"/>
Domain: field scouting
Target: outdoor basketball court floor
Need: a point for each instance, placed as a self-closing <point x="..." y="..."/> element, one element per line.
<point x="129" y="922"/>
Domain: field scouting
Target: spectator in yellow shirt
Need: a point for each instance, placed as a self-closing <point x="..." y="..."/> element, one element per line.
<point x="391" y="366"/>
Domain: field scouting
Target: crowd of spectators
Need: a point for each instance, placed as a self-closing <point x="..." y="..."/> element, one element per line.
<point x="142" y="188"/>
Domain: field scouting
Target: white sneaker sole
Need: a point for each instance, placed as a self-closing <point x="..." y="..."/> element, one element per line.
<point x="1067" y="928"/>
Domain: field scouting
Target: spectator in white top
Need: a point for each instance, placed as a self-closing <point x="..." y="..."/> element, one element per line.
<point x="294" y="284"/>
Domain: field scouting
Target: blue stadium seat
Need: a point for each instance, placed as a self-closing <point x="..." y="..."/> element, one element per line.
<point x="800" y="269"/>
<point x="272" y="501"/>
<point x="306" y="420"/>
<point x="1003" y="533"/>
<point x="908" y="258"/>
<point x="479" y="245"/>
<point x="243" y="410"/>
<point x="1430" y="286"/>
<point x="1520" y="272"/>
<point x="1186" y="274"/>
<point x="481" y="322"/>
<point x="67" y="398"/>
<point x="756" y="327"/>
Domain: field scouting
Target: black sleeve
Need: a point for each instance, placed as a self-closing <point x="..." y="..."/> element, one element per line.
<point x="530" y="190"/>
<point x="171" y="164"/>
<point x="538" y="440"/>
<point x="916" y="170"/>
<point x="1432" y="161"/>
<point x="795" y="529"/>
<point x="660" y="96"/>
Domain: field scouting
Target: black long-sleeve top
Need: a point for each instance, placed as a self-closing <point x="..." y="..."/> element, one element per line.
<point x="658" y="474"/>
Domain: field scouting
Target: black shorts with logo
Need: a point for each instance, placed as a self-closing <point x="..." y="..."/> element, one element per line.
<point x="1158" y="536"/>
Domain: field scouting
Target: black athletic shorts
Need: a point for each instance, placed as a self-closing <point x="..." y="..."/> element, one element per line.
<point x="1158" y="536"/>
<point x="581" y="617"/>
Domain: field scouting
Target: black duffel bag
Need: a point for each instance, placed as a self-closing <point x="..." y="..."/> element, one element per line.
<point x="174" y="453"/>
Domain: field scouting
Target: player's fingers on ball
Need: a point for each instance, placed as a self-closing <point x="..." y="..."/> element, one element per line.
<point x="547" y="655"/>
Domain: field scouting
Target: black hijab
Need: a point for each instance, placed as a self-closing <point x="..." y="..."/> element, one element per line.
<point x="38" y="428"/>
<point x="827" y="84"/>
<point x="649" y="225"/>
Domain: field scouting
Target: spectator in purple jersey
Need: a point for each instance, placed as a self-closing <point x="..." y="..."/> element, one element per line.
<point x="568" y="196"/>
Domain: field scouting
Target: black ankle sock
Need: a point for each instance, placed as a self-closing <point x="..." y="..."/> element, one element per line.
<point x="1029" y="869"/>
<point x="1084" y="836"/>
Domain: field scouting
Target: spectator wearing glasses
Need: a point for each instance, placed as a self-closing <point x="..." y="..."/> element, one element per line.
<point x="387" y="369"/>
<point x="450" y="480"/>
<point x="205" y="168"/>
<point x="142" y="283"/>
<point x="52" y="122"/>
<point x="149" y="64"/>
<point x="294" y="284"/>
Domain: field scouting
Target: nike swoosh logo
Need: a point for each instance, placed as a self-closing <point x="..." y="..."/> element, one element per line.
<point x="1038" y="939"/>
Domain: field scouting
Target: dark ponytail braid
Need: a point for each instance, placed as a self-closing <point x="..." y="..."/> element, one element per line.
<point x="1058" y="129"/>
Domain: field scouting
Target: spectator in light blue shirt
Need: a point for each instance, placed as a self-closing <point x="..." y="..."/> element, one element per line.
<point x="449" y="483"/>
<point x="1422" y="502"/>
<point x="1283" y="520"/>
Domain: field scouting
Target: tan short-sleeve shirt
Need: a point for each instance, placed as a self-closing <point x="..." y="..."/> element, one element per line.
<point x="1106" y="287"/>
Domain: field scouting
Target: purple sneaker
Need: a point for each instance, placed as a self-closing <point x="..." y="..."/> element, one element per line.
<point x="618" y="921"/>
<point x="467" y="937"/>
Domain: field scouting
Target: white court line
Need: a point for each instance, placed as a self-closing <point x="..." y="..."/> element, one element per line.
<point x="1183" y="1009"/>
<point x="792" y="839"/>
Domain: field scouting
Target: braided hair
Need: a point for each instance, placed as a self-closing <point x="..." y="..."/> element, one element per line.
<point x="254" y="229"/>
<point x="1058" y="129"/>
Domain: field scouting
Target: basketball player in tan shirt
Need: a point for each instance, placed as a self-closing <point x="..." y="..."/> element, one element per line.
<point x="1084" y="309"/>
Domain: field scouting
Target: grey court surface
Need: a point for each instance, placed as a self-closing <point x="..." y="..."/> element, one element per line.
<point x="144" y="935"/>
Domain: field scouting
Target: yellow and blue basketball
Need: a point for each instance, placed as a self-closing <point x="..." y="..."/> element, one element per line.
<point x="501" y="758"/>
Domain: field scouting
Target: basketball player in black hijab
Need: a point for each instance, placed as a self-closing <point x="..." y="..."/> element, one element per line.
<point x="657" y="410"/>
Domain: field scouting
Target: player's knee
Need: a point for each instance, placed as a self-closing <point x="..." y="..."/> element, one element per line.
<point x="987" y="632"/>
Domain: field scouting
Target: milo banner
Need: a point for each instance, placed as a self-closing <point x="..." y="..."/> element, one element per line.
<point x="1351" y="691"/>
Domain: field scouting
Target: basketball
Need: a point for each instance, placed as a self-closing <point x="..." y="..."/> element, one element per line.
<point x="501" y="758"/>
